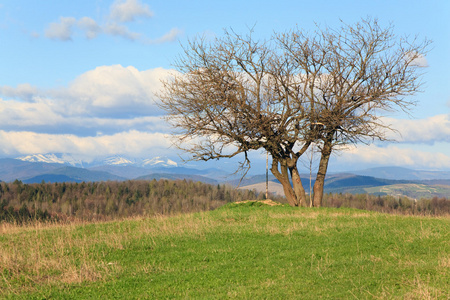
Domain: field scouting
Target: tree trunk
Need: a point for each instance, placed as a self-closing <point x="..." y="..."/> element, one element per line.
<point x="283" y="178"/>
<point x="295" y="193"/>
<point x="298" y="186"/>
<point x="321" y="173"/>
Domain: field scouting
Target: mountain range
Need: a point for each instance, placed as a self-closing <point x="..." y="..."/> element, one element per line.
<point x="402" y="173"/>
<point x="70" y="160"/>
<point x="66" y="168"/>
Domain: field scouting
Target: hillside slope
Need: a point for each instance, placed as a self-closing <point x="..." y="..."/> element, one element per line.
<point x="244" y="250"/>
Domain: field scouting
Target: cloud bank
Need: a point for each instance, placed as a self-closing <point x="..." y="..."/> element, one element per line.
<point x="395" y="156"/>
<point x="130" y="143"/>
<point x="113" y="110"/>
<point x="110" y="108"/>
<point x="424" y="131"/>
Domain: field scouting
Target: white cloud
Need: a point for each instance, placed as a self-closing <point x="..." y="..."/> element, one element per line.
<point x="108" y="99"/>
<point x="106" y="111"/>
<point x="121" y="11"/>
<point x="133" y="143"/>
<point x="62" y="30"/>
<point x="128" y="10"/>
<point x="23" y="91"/>
<point x="171" y="36"/>
<point x="422" y="143"/>
<point x="116" y="29"/>
<point x="25" y="114"/>
<point x="429" y="130"/>
<point x="117" y="87"/>
<point x="418" y="60"/>
<point x="395" y="156"/>
<point x="46" y="117"/>
<point x="90" y="27"/>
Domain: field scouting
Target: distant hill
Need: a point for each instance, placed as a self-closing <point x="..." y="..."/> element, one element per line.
<point x="134" y="172"/>
<point x="250" y="180"/>
<point x="412" y="190"/>
<point x="211" y="172"/>
<point x="383" y="180"/>
<point x="343" y="182"/>
<point x="128" y="172"/>
<point x="356" y="184"/>
<point x="51" y="178"/>
<point x="274" y="188"/>
<point x="12" y="169"/>
<point x="332" y="182"/>
<point x="35" y="172"/>
<point x="170" y="176"/>
<point x="73" y="174"/>
<point x="436" y="182"/>
<point x="399" y="173"/>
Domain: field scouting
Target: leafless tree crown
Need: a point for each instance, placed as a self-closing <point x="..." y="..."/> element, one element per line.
<point x="235" y="94"/>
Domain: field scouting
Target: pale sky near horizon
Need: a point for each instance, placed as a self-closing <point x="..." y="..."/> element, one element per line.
<point x="79" y="76"/>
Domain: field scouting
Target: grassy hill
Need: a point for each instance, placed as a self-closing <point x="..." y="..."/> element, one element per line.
<point x="412" y="190"/>
<point x="275" y="188"/>
<point x="239" y="251"/>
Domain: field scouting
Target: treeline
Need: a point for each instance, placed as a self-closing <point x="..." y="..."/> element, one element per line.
<point x="390" y="204"/>
<point x="88" y="201"/>
<point x="21" y="203"/>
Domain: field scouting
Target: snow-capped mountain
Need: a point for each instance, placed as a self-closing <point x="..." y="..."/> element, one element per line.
<point x="159" y="161"/>
<point x="68" y="159"/>
<point x="53" y="158"/>
<point x="145" y="163"/>
<point x="118" y="161"/>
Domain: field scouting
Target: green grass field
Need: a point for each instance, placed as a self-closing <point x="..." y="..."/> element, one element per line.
<point x="239" y="251"/>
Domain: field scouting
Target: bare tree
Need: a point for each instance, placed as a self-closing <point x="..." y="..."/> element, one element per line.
<point x="351" y="76"/>
<point x="236" y="94"/>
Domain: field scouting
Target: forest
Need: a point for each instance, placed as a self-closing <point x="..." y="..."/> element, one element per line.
<point x="90" y="201"/>
<point x="102" y="201"/>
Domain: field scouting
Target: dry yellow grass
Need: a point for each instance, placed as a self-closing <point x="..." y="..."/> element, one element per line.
<point x="51" y="253"/>
<point x="267" y="202"/>
<point x="445" y="262"/>
<point x="423" y="290"/>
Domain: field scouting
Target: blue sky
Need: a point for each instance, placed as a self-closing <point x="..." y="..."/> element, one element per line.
<point x="79" y="76"/>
